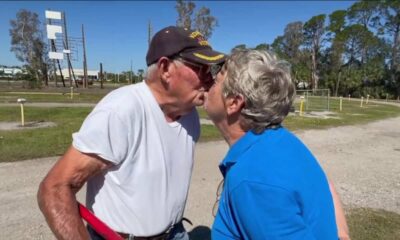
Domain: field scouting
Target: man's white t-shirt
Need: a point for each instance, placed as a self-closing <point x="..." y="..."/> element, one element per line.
<point x="145" y="192"/>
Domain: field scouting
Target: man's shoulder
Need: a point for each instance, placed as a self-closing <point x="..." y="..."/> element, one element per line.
<point x="123" y="99"/>
<point x="125" y="92"/>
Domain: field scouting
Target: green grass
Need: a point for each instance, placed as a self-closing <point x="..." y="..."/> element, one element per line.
<point x="51" y="97"/>
<point x="209" y="133"/>
<point x="371" y="224"/>
<point x="35" y="143"/>
<point x="351" y="114"/>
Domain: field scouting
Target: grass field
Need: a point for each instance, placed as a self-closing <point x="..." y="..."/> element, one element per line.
<point x="65" y="97"/>
<point x="351" y="114"/>
<point x="34" y="143"/>
<point x="372" y="224"/>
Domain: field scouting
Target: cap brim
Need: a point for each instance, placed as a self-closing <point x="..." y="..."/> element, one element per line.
<point x="204" y="56"/>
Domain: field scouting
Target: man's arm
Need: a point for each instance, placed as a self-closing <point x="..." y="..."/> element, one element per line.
<point x="343" y="229"/>
<point x="56" y="195"/>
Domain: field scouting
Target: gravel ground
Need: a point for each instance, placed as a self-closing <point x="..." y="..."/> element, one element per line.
<point x="363" y="161"/>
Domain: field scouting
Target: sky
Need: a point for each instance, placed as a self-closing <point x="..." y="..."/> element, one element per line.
<point x="116" y="32"/>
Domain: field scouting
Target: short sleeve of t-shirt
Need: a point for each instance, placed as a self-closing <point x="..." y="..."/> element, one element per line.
<point x="104" y="134"/>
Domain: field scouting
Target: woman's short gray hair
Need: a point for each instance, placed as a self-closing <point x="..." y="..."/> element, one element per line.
<point x="264" y="82"/>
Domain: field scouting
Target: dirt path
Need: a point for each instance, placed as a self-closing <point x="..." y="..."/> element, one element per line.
<point x="363" y="161"/>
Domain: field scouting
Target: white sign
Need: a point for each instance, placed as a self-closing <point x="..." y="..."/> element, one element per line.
<point x="53" y="15"/>
<point x="52" y="30"/>
<point x="56" y="55"/>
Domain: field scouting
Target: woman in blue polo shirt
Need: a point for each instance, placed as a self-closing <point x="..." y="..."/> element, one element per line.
<point x="273" y="186"/>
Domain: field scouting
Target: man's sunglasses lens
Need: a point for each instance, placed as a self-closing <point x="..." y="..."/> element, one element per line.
<point x="215" y="70"/>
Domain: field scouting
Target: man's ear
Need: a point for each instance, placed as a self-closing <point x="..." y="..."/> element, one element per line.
<point x="164" y="65"/>
<point x="234" y="104"/>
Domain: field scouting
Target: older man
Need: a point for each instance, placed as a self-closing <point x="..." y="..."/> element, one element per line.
<point x="135" y="149"/>
<point x="273" y="186"/>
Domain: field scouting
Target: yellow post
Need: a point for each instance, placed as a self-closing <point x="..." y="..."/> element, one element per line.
<point x="301" y="106"/>
<point x="21" y="102"/>
<point x="366" y="102"/>
<point x="362" y="99"/>
<point x="22" y="115"/>
<point x="340" y="103"/>
<point x="72" y="92"/>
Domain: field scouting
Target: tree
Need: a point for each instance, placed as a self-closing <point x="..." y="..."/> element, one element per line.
<point x="140" y="74"/>
<point x="288" y="47"/>
<point x="313" y="35"/>
<point x="203" y="21"/>
<point x="363" y="13"/>
<point x="337" y="23"/>
<point x="263" y="46"/>
<point x="391" y="28"/>
<point x="28" y="45"/>
<point x="240" y="46"/>
<point x="185" y="11"/>
<point x="360" y="72"/>
<point x="293" y="38"/>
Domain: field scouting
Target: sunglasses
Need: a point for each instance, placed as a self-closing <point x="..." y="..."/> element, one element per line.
<point x="218" y="197"/>
<point x="201" y="69"/>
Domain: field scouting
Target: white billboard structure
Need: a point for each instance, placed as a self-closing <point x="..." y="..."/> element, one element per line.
<point x="52" y="31"/>
<point x="62" y="44"/>
<point x="53" y="15"/>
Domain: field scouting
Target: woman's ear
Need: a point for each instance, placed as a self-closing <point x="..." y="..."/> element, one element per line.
<point x="234" y="104"/>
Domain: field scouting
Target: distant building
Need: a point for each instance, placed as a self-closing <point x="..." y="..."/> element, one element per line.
<point x="302" y="85"/>
<point x="9" y="71"/>
<point x="93" y="75"/>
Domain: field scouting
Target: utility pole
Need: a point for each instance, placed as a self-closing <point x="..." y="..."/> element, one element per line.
<point x="85" y="83"/>
<point x="130" y="74"/>
<point x="101" y="76"/>
<point x="66" y="46"/>
<point x="149" y="32"/>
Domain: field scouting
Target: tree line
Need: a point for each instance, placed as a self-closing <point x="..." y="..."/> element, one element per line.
<point x="351" y="52"/>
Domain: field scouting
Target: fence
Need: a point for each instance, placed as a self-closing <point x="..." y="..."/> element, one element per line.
<point x="315" y="100"/>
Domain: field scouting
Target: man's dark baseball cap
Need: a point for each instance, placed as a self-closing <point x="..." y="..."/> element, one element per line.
<point x="190" y="45"/>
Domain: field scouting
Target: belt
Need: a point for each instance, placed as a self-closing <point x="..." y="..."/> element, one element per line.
<point x="161" y="236"/>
